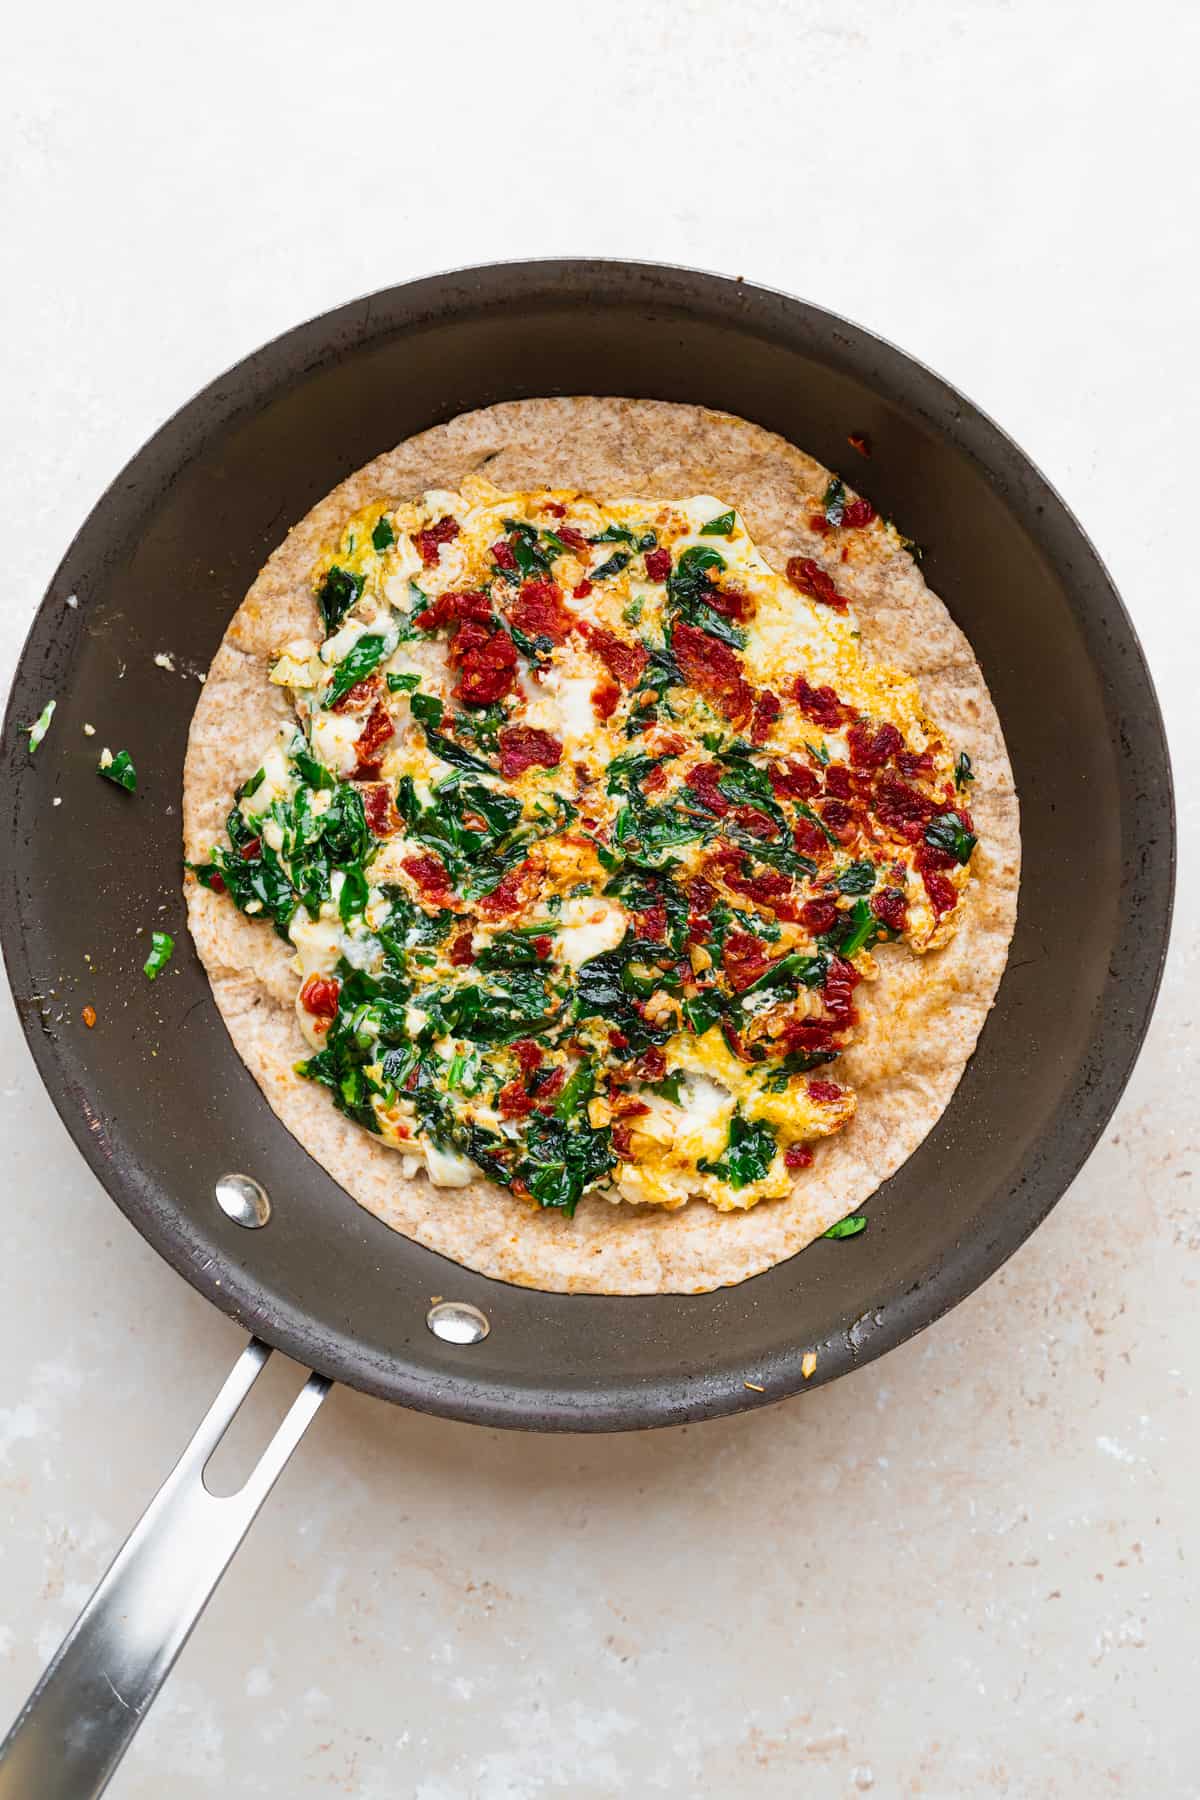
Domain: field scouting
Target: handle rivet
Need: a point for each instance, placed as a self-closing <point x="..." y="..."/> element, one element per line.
<point x="457" y="1322"/>
<point x="243" y="1200"/>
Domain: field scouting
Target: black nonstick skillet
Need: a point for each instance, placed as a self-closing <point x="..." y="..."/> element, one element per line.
<point x="162" y="1108"/>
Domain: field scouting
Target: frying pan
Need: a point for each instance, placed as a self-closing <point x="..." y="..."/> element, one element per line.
<point x="160" y="1104"/>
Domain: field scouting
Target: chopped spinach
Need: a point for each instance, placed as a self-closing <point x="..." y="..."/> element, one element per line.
<point x="120" y="769"/>
<point x="365" y="656"/>
<point x="747" y="1156"/>
<point x="721" y="526"/>
<point x="337" y="594"/>
<point x="615" y="563"/>
<point x="833" y="504"/>
<point x="428" y="710"/>
<point x="41" y="725"/>
<point x="561" y="1162"/>
<point x="948" y="833"/>
<point x="383" y="537"/>
<point x="963" y="773"/>
<point x="846" y="1228"/>
<point x="161" y="946"/>
<point x="857" y="878"/>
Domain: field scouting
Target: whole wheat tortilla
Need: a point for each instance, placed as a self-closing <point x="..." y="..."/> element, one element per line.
<point x="920" y="1019"/>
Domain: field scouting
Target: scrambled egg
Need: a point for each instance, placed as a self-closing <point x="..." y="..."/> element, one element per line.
<point x="584" y="831"/>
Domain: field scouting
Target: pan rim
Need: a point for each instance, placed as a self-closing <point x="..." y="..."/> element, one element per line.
<point x="721" y="1390"/>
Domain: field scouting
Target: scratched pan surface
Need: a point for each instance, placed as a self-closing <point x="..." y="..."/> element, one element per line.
<point x="156" y="1098"/>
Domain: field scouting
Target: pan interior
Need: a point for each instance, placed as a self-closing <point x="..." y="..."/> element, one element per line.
<point x="159" y="1101"/>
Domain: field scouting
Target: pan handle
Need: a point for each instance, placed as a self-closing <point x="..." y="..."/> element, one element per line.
<point x="80" y="1719"/>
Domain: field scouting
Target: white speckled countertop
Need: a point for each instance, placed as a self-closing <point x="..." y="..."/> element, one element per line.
<point x="967" y="1570"/>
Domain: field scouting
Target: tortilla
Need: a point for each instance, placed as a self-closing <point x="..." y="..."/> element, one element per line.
<point x="904" y="1077"/>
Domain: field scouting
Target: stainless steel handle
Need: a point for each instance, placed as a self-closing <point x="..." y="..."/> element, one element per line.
<point x="80" y="1719"/>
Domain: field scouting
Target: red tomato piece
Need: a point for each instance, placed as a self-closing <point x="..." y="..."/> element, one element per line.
<point x="525" y="747"/>
<point x="319" y="996"/>
<point x="811" y="579"/>
<point x="429" y="542"/>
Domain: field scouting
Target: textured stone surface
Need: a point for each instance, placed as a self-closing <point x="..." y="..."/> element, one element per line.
<point x="962" y="1572"/>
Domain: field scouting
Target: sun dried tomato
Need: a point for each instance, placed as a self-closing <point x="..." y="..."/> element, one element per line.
<point x="930" y="857"/>
<point x="794" y="779"/>
<point x="701" y="895"/>
<point x="617" y="1039"/>
<point x="361" y="696"/>
<point x="216" y="882"/>
<point x="731" y="602"/>
<point x="379" y="807"/>
<point x="538" y="611"/>
<point x="821" y="704"/>
<point x="555" y="508"/>
<point x="454" y="608"/>
<point x="704" y="782"/>
<point x="837" y="813"/>
<point x="466" y="638"/>
<point x="582" y="589"/>
<point x="825" y="1093"/>
<point x="319" y="996"/>
<point x="857" y="512"/>
<point x="371" y="739"/>
<point x="768" y="887"/>
<point x="625" y="661"/>
<point x="870" y="750"/>
<point x="502" y="554"/>
<point x="743" y="959"/>
<point x="606" y="697"/>
<point x="902" y="809"/>
<point x="251" y="850"/>
<point x="622" y="1141"/>
<point x="767" y="709"/>
<point x="461" y="952"/>
<point x="890" y="907"/>
<point x="512" y="1102"/>
<point x="653" y="923"/>
<point x="668" y="743"/>
<point x="811" y="579"/>
<point x="525" y="747"/>
<point x="837" y="993"/>
<point x="508" y="895"/>
<point x="911" y="765"/>
<point x="547" y="1088"/>
<point x="809" y="839"/>
<point x="542" y="946"/>
<point x="575" y="541"/>
<point x="429" y="542"/>
<point x="811" y="1037"/>
<point x="819" y="916"/>
<point x="837" y="781"/>
<point x="715" y="670"/>
<point x="943" y="895"/>
<point x="651" y="1065"/>
<point x="429" y="875"/>
<point x="528" y="1055"/>
<point x="756" y="822"/>
<point x="654" y="780"/>
<point x="658" y="564"/>
<point x="797" y="1156"/>
<point x="488" y="672"/>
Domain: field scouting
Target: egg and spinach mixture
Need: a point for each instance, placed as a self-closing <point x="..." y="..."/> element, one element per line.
<point x="583" y="833"/>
